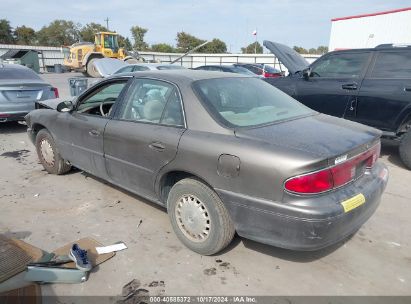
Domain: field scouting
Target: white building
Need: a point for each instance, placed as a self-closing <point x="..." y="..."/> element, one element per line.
<point x="370" y="30"/>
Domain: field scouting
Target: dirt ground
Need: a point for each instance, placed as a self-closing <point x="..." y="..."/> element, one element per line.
<point x="49" y="211"/>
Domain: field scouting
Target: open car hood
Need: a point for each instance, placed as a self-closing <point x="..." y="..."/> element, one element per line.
<point x="293" y="61"/>
<point x="107" y="66"/>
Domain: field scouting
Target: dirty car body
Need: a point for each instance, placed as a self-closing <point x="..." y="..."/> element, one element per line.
<point x="282" y="171"/>
<point x="20" y="88"/>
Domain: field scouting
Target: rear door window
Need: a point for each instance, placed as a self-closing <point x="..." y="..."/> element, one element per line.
<point x="125" y="70"/>
<point x="392" y="65"/>
<point x="140" y="68"/>
<point x="153" y="101"/>
<point x="344" y="65"/>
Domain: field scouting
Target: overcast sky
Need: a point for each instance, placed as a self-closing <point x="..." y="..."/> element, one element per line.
<point x="293" y="22"/>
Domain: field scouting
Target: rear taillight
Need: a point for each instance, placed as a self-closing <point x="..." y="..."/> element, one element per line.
<point x="56" y="92"/>
<point x="335" y="176"/>
<point x="316" y="182"/>
<point x="271" y="75"/>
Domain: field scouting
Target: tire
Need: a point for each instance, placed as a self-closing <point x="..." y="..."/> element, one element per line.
<point x="48" y="154"/>
<point x="405" y="149"/>
<point x="198" y="217"/>
<point x="91" y="70"/>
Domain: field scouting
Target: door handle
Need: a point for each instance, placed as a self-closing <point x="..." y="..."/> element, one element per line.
<point x="94" y="133"/>
<point x="407" y="89"/>
<point x="157" y="146"/>
<point x="350" y="86"/>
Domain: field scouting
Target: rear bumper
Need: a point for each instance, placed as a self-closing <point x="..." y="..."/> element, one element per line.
<point x="12" y="116"/>
<point x="302" y="223"/>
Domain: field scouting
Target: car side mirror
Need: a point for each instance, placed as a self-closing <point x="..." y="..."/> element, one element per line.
<point x="65" y="106"/>
<point x="307" y="73"/>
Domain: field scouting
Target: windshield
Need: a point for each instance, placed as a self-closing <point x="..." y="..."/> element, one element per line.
<point x="245" y="102"/>
<point x="6" y="73"/>
<point x="270" y="69"/>
<point x="241" y="70"/>
<point x="110" y="42"/>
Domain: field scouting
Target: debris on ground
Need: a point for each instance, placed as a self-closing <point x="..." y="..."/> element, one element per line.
<point x="132" y="294"/>
<point x="111" y="248"/>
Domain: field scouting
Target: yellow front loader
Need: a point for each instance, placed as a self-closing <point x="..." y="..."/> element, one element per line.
<point x="80" y="56"/>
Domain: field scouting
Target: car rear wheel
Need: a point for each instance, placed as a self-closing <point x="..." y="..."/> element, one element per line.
<point x="48" y="154"/>
<point x="405" y="149"/>
<point x="198" y="217"/>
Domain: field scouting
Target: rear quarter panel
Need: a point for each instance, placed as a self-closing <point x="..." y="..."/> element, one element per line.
<point x="263" y="167"/>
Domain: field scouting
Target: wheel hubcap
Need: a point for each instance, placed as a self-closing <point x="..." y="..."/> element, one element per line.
<point x="193" y="218"/>
<point x="47" y="152"/>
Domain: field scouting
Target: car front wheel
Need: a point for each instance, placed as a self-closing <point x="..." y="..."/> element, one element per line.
<point x="48" y="154"/>
<point x="405" y="149"/>
<point x="198" y="217"/>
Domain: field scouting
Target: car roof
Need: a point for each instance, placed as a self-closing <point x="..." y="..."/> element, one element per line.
<point x="217" y="65"/>
<point x="185" y="75"/>
<point x="5" y="65"/>
<point x="152" y="64"/>
<point x="383" y="47"/>
<point x="252" y="64"/>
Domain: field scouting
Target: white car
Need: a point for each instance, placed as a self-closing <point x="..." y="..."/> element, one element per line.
<point x="148" y="66"/>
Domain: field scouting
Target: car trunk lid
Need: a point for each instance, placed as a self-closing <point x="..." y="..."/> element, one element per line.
<point x="293" y="61"/>
<point x="29" y="91"/>
<point x="321" y="136"/>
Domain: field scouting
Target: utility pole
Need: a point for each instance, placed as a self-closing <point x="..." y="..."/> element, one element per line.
<point x="107" y="20"/>
<point x="256" y="41"/>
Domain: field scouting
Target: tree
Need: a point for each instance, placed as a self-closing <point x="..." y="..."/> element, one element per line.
<point x="25" y="35"/>
<point x="322" y="49"/>
<point x="215" y="46"/>
<point x="300" y="50"/>
<point x="312" y="51"/>
<point x="138" y="35"/>
<point x="186" y="42"/>
<point x="252" y="48"/>
<point x="162" y="48"/>
<point x="58" y="33"/>
<point x="124" y="43"/>
<point x="88" y="31"/>
<point x="6" y="34"/>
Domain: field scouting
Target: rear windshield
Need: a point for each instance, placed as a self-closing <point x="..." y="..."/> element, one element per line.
<point x="6" y="73"/>
<point x="269" y="69"/>
<point x="246" y="102"/>
<point x="170" y="67"/>
<point x="241" y="70"/>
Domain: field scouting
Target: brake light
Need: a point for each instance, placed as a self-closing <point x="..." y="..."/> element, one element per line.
<point x="317" y="182"/>
<point x="335" y="176"/>
<point x="56" y="92"/>
<point x="271" y="75"/>
<point x="375" y="151"/>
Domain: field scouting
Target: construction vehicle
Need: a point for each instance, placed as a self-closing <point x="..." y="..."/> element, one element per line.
<point x="80" y="56"/>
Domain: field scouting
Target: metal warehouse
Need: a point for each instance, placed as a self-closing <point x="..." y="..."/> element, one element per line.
<point x="370" y="30"/>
